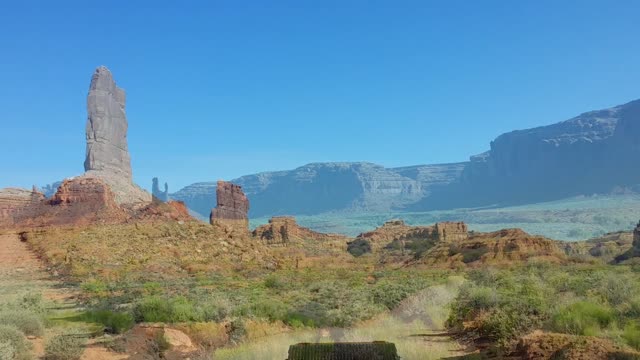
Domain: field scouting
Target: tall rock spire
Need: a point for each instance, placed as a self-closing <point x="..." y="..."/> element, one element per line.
<point x="106" y="126"/>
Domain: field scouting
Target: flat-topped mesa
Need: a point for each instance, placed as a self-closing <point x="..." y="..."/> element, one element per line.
<point x="107" y="155"/>
<point x="232" y="207"/>
<point x="106" y="126"/>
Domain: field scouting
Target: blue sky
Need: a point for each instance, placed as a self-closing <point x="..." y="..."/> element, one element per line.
<point x="219" y="89"/>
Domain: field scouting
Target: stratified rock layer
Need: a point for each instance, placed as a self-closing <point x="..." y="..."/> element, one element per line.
<point x="284" y="230"/>
<point x="232" y="206"/>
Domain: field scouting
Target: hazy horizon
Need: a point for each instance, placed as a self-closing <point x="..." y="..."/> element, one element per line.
<point x="218" y="91"/>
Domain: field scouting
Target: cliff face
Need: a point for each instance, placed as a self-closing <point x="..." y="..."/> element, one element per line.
<point x="591" y="153"/>
<point x="322" y="187"/>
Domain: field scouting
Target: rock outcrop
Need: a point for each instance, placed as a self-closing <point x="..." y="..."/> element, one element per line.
<point x="452" y="231"/>
<point x="78" y="201"/>
<point x="284" y="230"/>
<point x="232" y="207"/>
<point x="106" y="132"/>
<point x="505" y="246"/>
<point x="14" y="201"/>
<point x="396" y="234"/>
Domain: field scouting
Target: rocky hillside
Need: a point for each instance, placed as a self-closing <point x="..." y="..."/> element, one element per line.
<point x="322" y="187"/>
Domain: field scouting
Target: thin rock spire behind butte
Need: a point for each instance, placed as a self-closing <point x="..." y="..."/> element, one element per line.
<point x="106" y="126"/>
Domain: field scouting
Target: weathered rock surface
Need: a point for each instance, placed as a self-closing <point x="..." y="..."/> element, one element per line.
<point x="284" y="230"/>
<point x="396" y="234"/>
<point x="14" y="201"/>
<point x="107" y="152"/>
<point x="505" y="246"/>
<point x="107" y="148"/>
<point x="232" y="206"/>
<point x="321" y="187"/>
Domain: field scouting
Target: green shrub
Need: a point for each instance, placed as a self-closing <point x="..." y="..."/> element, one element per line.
<point x="95" y="287"/>
<point x="273" y="282"/>
<point x="7" y="352"/>
<point x="152" y="309"/>
<point x="270" y="309"/>
<point x="237" y="331"/>
<point x="582" y="318"/>
<point x="182" y="310"/>
<point x="33" y="303"/>
<point x="389" y="294"/>
<point x="64" y="347"/>
<point x="114" y="322"/>
<point x="29" y="323"/>
<point x="631" y="335"/>
<point x="17" y="343"/>
<point x="298" y="320"/>
<point x="159" y="309"/>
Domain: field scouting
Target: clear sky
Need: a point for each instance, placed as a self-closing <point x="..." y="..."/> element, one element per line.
<point x="219" y="89"/>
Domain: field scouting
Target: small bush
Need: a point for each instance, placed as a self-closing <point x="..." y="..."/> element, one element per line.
<point x="270" y="309"/>
<point x="7" y="352"/>
<point x="17" y="343"/>
<point x="631" y="335"/>
<point x="389" y="294"/>
<point x="114" y="322"/>
<point x="29" y="323"/>
<point x="64" y="347"/>
<point x="152" y="309"/>
<point x="237" y="331"/>
<point x="273" y="282"/>
<point x="158" y="309"/>
<point x="582" y="318"/>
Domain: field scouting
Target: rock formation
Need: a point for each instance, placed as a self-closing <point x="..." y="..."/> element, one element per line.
<point x="284" y="230"/>
<point x="107" y="152"/>
<point x="397" y="234"/>
<point x="452" y="231"/>
<point x="232" y="206"/>
<point x="106" y="126"/>
<point x="14" y="201"/>
<point x="157" y="194"/>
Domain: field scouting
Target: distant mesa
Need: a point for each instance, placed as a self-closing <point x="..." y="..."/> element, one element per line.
<point x="592" y="153"/>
